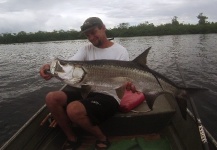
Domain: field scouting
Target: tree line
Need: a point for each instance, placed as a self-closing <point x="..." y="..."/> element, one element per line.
<point x="122" y="30"/>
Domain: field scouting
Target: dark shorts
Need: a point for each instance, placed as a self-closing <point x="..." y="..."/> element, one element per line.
<point x="99" y="106"/>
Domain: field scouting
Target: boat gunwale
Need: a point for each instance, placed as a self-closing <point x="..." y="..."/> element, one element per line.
<point x="27" y="123"/>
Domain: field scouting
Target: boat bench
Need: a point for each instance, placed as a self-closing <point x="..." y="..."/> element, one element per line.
<point x="140" y="120"/>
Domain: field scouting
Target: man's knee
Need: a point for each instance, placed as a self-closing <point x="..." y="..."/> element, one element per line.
<point x="76" y="110"/>
<point x="56" y="97"/>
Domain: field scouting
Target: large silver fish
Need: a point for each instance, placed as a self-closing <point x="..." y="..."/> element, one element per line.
<point x="113" y="74"/>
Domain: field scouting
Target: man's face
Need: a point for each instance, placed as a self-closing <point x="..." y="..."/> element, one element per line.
<point x="95" y="36"/>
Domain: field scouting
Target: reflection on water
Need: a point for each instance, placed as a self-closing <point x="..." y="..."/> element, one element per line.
<point x="22" y="91"/>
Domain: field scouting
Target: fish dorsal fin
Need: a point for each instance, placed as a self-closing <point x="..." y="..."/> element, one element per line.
<point x="142" y="58"/>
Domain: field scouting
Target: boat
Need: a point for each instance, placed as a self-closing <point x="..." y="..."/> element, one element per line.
<point x="162" y="128"/>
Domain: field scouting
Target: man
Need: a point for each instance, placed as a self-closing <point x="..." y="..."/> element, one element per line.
<point x="69" y="107"/>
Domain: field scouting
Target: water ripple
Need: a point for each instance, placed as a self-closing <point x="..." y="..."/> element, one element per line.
<point x="21" y="86"/>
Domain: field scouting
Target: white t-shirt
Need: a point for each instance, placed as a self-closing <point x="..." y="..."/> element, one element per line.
<point x="90" y="52"/>
<point x="114" y="52"/>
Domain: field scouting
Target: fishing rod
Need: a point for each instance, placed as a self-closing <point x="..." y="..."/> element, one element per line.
<point x="196" y="114"/>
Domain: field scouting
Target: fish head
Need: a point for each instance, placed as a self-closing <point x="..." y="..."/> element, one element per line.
<point x="70" y="73"/>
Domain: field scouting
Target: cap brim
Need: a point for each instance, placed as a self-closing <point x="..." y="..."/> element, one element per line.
<point x="88" y="29"/>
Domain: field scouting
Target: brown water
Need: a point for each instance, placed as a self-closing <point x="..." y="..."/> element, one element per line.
<point x="22" y="91"/>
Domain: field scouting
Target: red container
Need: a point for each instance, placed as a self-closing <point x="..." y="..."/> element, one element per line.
<point x="130" y="100"/>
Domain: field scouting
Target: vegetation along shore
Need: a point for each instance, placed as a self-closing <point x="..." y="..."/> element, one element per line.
<point x="122" y="30"/>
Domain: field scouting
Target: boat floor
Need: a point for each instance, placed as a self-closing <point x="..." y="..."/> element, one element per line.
<point x="117" y="141"/>
<point x="120" y="142"/>
<point x="56" y="139"/>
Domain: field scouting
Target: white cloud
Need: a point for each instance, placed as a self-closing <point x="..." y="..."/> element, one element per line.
<point x="49" y="15"/>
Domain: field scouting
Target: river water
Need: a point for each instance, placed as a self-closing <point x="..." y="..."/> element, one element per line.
<point x="22" y="90"/>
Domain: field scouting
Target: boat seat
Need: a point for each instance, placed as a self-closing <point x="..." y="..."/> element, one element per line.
<point x="141" y="120"/>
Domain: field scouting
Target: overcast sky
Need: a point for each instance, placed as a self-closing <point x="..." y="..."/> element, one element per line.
<point x="49" y="15"/>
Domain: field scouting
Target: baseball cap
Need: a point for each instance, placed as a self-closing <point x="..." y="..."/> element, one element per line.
<point x="90" y="23"/>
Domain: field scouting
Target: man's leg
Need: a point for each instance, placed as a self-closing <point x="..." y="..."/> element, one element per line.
<point x="77" y="114"/>
<point x="89" y="112"/>
<point x="55" y="102"/>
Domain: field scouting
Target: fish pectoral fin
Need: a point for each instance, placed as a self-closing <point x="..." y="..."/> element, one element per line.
<point x="120" y="91"/>
<point x="85" y="90"/>
<point x="150" y="102"/>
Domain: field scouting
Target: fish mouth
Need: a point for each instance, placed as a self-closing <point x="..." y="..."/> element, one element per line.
<point x="53" y="67"/>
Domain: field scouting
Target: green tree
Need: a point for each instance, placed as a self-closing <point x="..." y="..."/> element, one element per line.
<point x="202" y="19"/>
<point x="123" y="25"/>
<point x="175" y="21"/>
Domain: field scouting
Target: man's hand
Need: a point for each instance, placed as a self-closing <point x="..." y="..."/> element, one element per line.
<point x="130" y="87"/>
<point x="131" y="98"/>
<point x="43" y="73"/>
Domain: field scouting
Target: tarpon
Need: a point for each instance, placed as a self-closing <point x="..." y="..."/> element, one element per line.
<point x="114" y="74"/>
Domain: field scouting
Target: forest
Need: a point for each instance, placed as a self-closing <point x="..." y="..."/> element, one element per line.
<point x="122" y="30"/>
